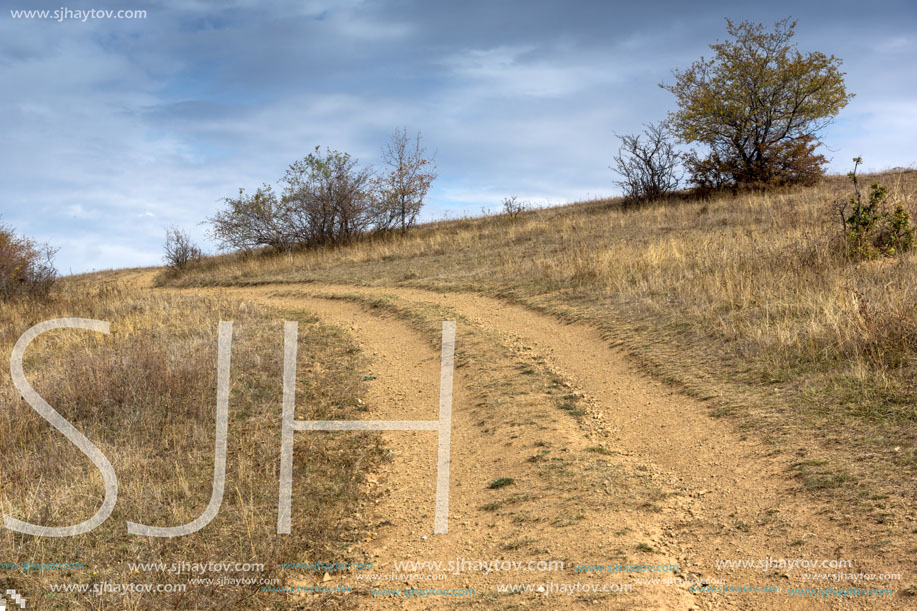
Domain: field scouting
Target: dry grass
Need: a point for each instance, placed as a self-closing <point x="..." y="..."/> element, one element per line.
<point x="746" y="300"/>
<point x="146" y="396"/>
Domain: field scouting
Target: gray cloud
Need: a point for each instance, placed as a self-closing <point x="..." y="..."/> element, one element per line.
<point x="113" y="129"/>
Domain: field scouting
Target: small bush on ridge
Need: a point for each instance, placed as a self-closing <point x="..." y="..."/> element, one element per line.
<point x="871" y="231"/>
<point x="180" y="250"/>
<point x="26" y="268"/>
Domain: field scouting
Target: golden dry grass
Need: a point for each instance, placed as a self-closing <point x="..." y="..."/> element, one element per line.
<point x="146" y="395"/>
<point x="745" y="300"/>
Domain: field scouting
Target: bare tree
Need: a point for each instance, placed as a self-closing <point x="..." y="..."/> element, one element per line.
<point x="650" y="167"/>
<point x="404" y="183"/>
<point x="513" y="207"/>
<point x="180" y="250"/>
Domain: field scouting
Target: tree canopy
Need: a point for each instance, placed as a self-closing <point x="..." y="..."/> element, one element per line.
<point x="757" y="105"/>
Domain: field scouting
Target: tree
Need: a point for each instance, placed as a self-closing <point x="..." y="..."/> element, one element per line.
<point x="327" y="198"/>
<point x="180" y="251"/>
<point x="250" y="221"/>
<point x="649" y="169"/>
<point x="757" y="105"/>
<point x="405" y="182"/>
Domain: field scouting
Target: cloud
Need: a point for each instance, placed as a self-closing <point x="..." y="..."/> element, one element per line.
<point x="115" y="129"/>
<point x="508" y="71"/>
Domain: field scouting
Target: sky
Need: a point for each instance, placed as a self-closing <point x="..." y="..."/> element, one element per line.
<point x="114" y="129"/>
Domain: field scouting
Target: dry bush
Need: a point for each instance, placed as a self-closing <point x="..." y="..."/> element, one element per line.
<point x="251" y="221"/>
<point x="180" y="251"/>
<point x="26" y="269"/>
<point x="327" y="198"/>
<point x="512" y="207"/>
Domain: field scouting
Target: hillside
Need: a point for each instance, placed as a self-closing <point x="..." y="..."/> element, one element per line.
<point x="688" y="385"/>
<point x="746" y="303"/>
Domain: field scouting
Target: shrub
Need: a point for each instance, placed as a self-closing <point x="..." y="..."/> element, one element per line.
<point x="326" y="198"/>
<point x="26" y="268"/>
<point x="871" y="231"/>
<point x="180" y="250"/>
<point x="512" y="207"/>
<point x="501" y="482"/>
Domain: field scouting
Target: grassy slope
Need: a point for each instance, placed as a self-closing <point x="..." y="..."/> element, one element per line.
<point x="146" y="396"/>
<point x="742" y="300"/>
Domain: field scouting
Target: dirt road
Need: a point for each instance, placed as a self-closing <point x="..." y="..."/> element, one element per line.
<point x="607" y="466"/>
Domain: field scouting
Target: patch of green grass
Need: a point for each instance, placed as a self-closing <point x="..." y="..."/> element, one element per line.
<point x="501" y="482"/>
<point x="568" y="520"/>
<point x="827" y="481"/>
<point x="510" y="500"/>
<point x="540" y="456"/>
<point x="517" y="544"/>
<point x="643" y="547"/>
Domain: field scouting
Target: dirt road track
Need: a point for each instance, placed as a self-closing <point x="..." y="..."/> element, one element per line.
<point x="637" y="474"/>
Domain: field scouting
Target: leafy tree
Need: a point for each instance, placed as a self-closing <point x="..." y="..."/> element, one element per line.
<point x="327" y="197"/>
<point x="757" y="105"/>
<point x="404" y="183"/>
<point x="250" y="221"/>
